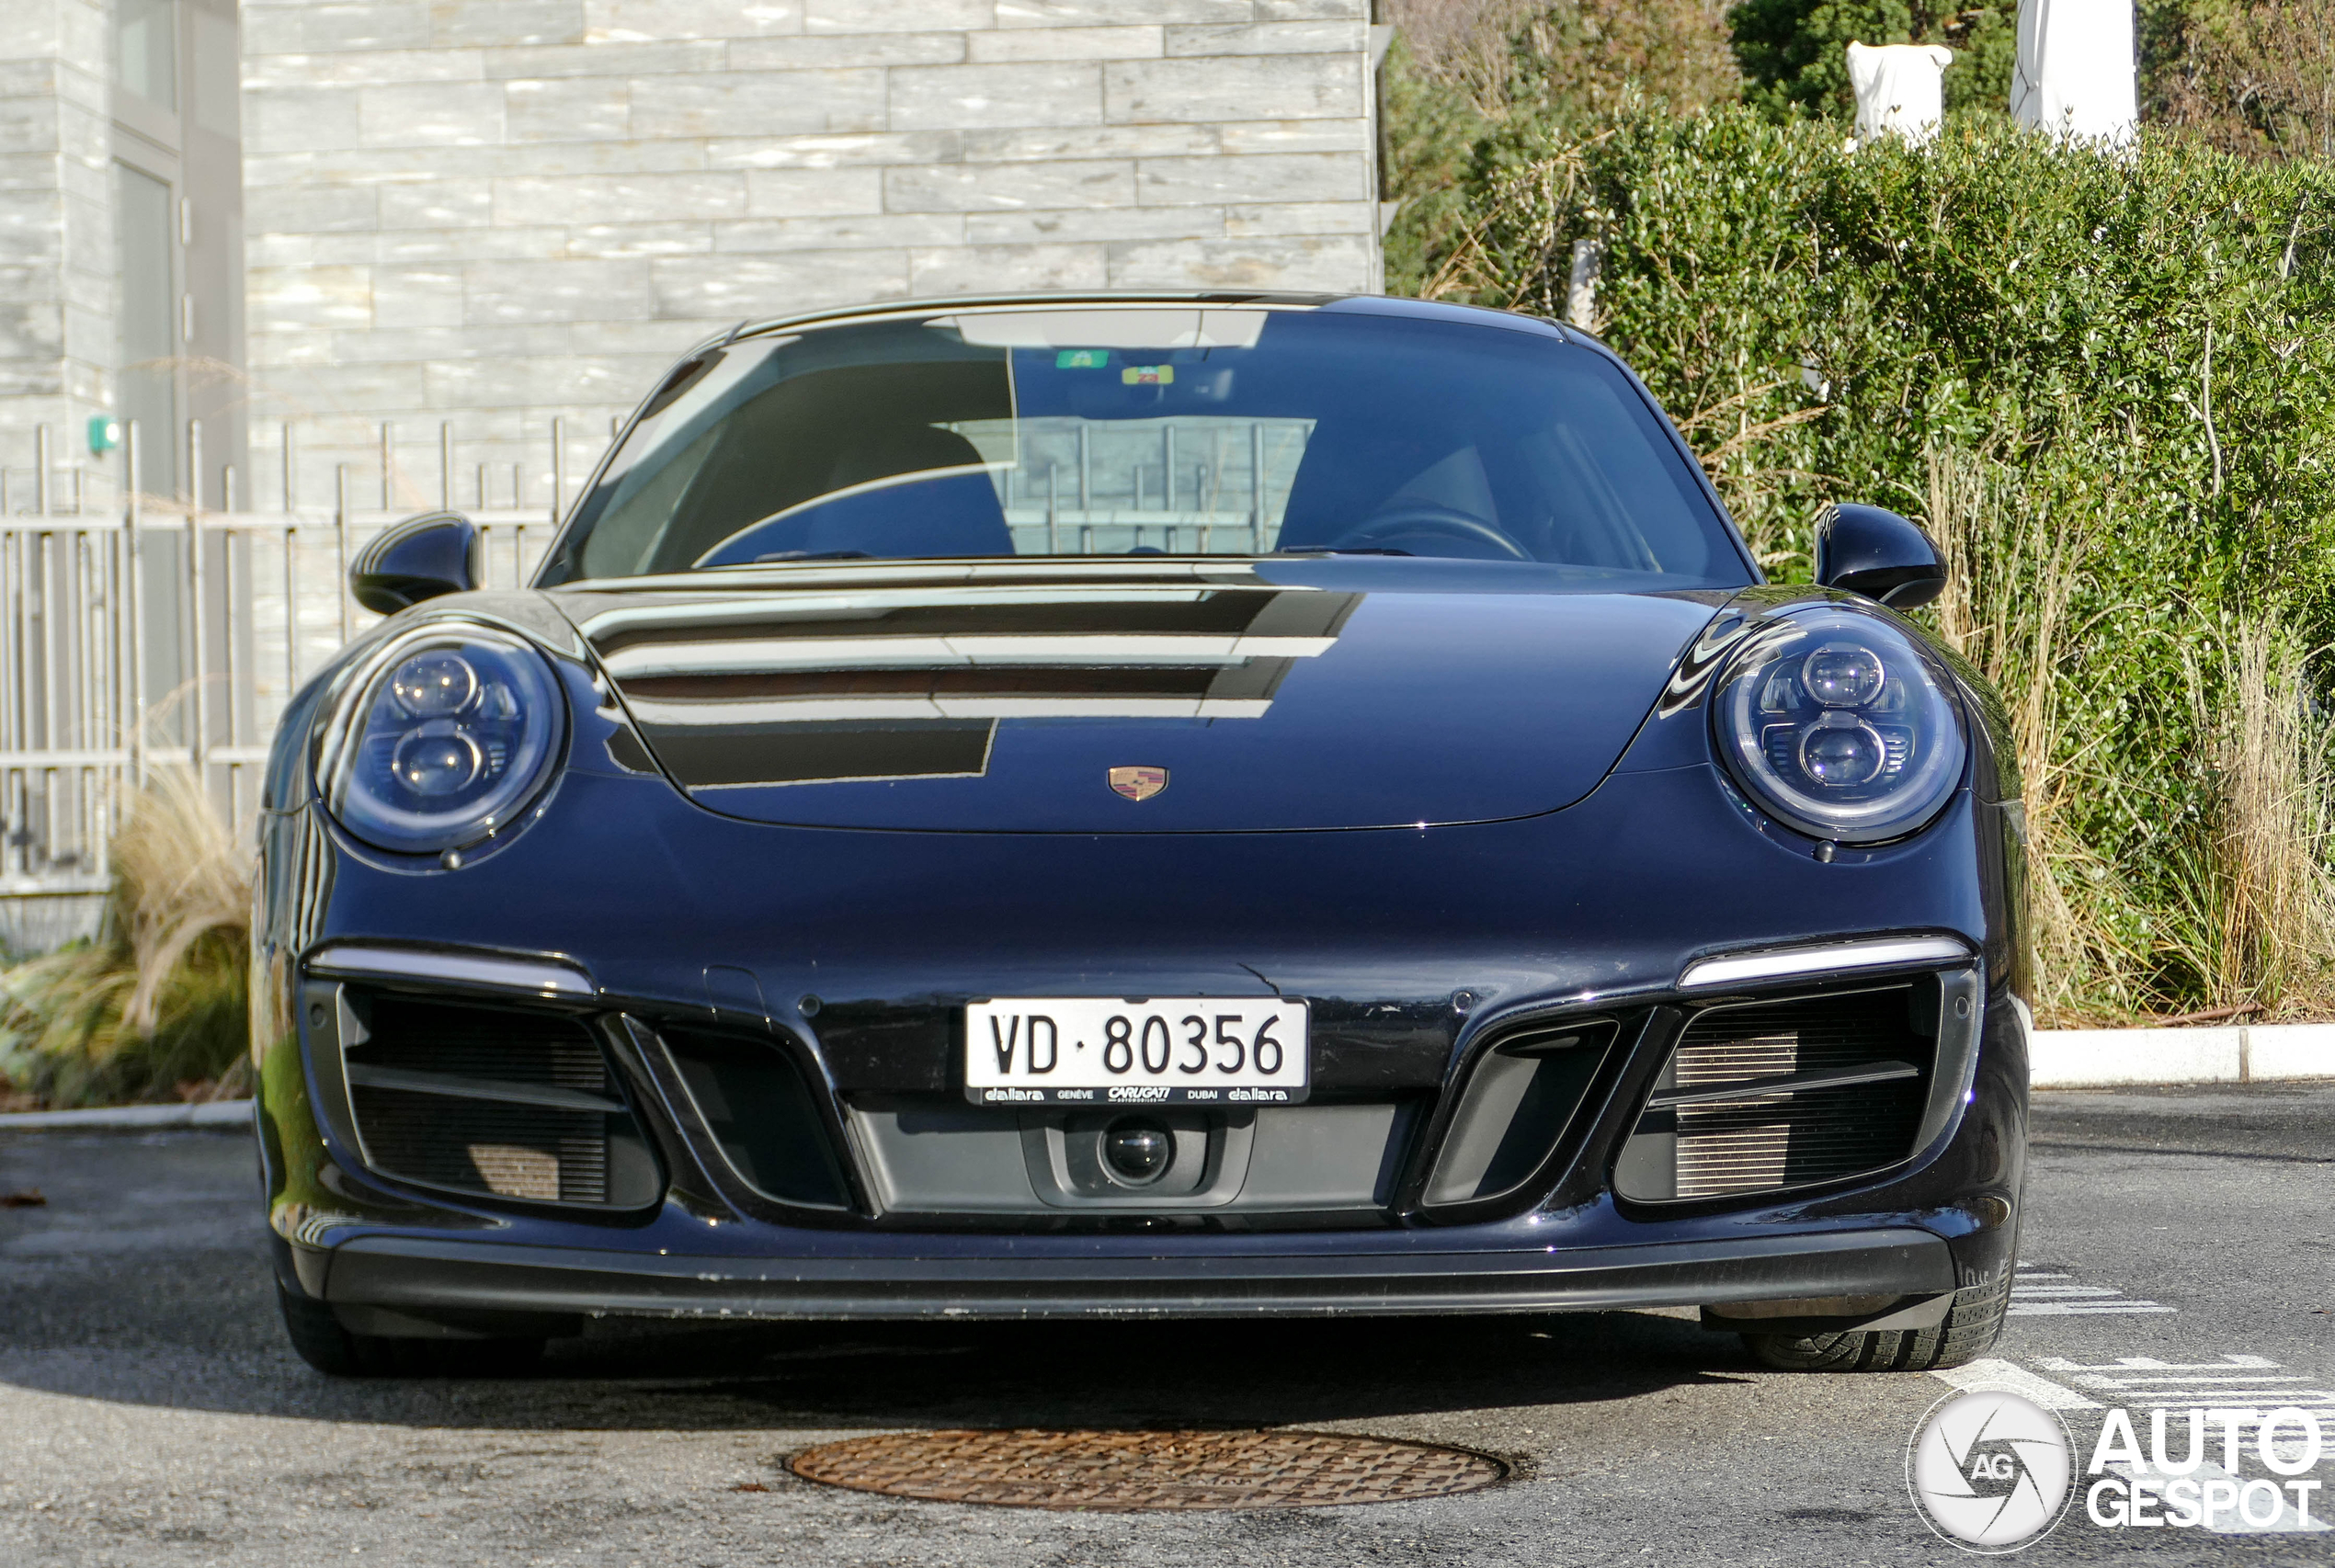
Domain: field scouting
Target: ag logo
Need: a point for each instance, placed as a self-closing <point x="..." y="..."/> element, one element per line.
<point x="1989" y="1470"/>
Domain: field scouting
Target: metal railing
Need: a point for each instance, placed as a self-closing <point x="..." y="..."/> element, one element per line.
<point x="142" y="631"/>
<point x="147" y="632"/>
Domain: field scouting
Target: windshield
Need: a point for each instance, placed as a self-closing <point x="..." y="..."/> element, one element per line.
<point x="1148" y="430"/>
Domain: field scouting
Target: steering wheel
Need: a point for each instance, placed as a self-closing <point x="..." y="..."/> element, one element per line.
<point x="1426" y="516"/>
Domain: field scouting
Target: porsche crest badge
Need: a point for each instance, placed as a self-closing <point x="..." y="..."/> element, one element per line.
<point x="1139" y="783"/>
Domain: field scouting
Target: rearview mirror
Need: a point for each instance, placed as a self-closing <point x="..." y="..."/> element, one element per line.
<point x="1864" y="549"/>
<point x="438" y="553"/>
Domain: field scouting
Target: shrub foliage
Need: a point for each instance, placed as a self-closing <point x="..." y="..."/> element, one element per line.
<point x="1794" y="52"/>
<point x="2106" y="381"/>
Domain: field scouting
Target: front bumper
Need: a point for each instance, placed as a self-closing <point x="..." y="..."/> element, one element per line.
<point x="425" y="1277"/>
<point x="398" y="1259"/>
<point x="1602" y="905"/>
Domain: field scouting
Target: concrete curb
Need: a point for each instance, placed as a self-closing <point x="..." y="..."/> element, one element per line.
<point x="216" y="1113"/>
<point x="2101" y="1058"/>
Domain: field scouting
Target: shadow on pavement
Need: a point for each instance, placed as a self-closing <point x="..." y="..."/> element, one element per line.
<point x="144" y="1281"/>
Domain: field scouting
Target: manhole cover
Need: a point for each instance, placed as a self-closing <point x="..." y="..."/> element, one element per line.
<point x="1145" y="1470"/>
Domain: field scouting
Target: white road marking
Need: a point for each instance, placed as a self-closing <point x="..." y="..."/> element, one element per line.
<point x="2234" y="1380"/>
<point x="1991" y="1373"/>
<point x="2241" y="1386"/>
<point x="2150" y="1364"/>
<point x="2031" y="1299"/>
<point x="2228" y="1385"/>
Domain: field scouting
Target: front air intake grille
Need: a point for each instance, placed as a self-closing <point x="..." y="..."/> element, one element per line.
<point x="483" y="1042"/>
<point x="498" y="1101"/>
<point x="763" y="1112"/>
<point x="1780" y="1141"/>
<point x="1519" y="1100"/>
<point x="509" y="1150"/>
<point x="1763" y="1096"/>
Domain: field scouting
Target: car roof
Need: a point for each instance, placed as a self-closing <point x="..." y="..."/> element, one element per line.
<point x="1360" y="304"/>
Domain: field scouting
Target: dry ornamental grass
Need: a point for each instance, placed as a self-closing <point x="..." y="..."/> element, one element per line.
<point x="153" y="1007"/>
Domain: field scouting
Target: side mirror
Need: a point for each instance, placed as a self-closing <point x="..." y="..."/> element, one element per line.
<point x="438" y="553"/>
<point x="1879" y="554"/>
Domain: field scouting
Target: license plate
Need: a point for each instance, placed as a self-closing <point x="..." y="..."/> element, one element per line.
<point x="1151" y="1050"/>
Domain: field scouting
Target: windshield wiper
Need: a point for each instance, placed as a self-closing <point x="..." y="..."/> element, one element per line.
<point x="1337" y="549"/>
<point x="815" y="556"/>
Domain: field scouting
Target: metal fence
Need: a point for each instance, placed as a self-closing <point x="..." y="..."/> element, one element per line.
<point x="150" y="631"/>
<point x="141" y="631"/>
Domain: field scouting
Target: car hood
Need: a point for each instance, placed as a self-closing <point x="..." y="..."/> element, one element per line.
<point x="1120" y="698"/>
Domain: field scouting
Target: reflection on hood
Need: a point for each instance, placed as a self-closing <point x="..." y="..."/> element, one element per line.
<point x="1007" y="696"/>
<point x="823" y="687"/>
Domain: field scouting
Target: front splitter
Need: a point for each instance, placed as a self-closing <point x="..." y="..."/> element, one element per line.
<point x="423" y="1277"/>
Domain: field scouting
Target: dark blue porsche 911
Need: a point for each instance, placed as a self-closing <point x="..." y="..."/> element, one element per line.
<point x="1214" y="806"/>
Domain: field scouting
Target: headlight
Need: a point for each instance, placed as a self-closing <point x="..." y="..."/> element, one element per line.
<point x="1841" y="725"/>
<point x="452" y="733"/>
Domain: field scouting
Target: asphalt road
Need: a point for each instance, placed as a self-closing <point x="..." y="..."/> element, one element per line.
<point x="151" y="1414"/>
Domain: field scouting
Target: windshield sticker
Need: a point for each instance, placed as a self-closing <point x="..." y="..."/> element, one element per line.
<point x="1083" y="359"/>
<point x="1148" y="375"/>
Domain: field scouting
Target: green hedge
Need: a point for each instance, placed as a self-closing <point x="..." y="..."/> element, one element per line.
<point x="2106" y="381"/>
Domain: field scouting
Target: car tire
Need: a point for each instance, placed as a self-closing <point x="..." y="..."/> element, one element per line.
<point x="317" y="1334"/>
<point x="1968" y="1332"/>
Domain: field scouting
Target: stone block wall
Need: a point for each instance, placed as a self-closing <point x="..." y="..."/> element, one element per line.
<point x="56" y="239"/>
<point x="495" y="211"/>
